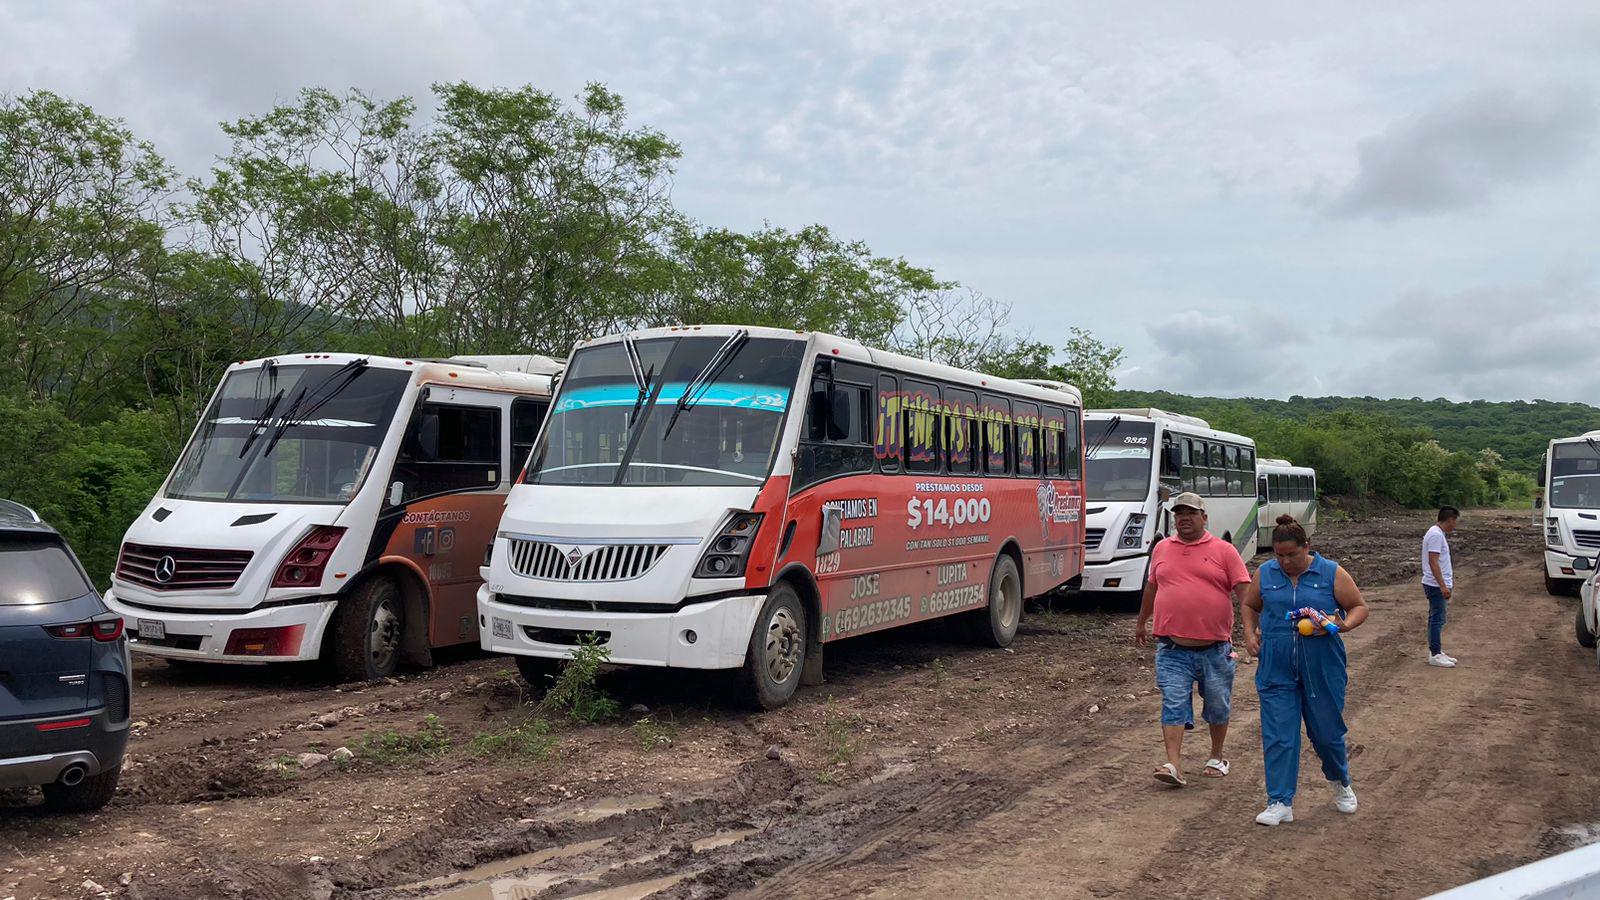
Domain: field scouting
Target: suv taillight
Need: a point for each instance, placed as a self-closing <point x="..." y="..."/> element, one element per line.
<point x="104" y="630"/>
<point x="303" y="566"/>
<point x="730" y="549"/>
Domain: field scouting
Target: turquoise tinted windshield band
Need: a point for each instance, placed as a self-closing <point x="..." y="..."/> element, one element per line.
<point x="765" y="397"/>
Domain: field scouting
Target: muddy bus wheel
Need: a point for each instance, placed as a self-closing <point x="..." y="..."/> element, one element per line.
<point x="539" y="672"/>
<point x="368" y="627"/>
<point x="1586" y="638"/>
<point x="997" y="625"/>
<point x="1553" y="587"/>
<point x="777" y="650"/>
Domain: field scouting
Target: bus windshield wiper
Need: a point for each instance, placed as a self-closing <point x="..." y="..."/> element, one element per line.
<point x="307" y="402"/>
<point x="262" y="421"/>
<point x="708" y="375"/>
<point x="1110" y="427"/>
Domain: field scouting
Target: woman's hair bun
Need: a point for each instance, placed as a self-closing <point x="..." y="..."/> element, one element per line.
<point x="1287" y="519"/>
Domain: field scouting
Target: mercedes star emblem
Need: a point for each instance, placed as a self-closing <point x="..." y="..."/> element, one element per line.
<point x="166" y="567"/>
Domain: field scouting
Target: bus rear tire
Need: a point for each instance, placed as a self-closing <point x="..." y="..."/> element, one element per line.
<point x="368" y="631"/>
<point x="777" y="651"/>
<point x="1586" y="638"/>
<point x="996" y="626"/>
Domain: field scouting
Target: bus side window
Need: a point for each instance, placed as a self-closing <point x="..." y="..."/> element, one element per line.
<point x="1261" y="489"/>
<point x="1217" y="481"/>
<point x="527" y="415"/>
<point x="961" y="431"/>
<point x="1190" y="463"/>
<point x="888" y="423"/>
<point x="836" y="438"/>
<point x="1235" y="485"/>
<point x="449" y="448"/>
<point x="996" y="429"/>
<point x="923" y="407"/>
<point x="1027" y="432"/>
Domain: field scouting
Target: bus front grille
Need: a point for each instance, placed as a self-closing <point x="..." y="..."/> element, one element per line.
<point x="1092" y="538"/>
<point x="1589" y="540"/>
<point x="606" y="562"/>
<point x="181" y="568"/>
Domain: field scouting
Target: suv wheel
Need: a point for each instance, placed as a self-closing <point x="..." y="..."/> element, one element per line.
<point x="87" y="795"/>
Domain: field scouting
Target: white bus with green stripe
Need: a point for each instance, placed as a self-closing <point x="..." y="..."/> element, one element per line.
<point x="1283" y="487"/>
<point x="1136" y="460"/>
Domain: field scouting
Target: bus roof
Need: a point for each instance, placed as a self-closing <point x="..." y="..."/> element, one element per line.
<point x="1284" y="466"/>
<point x="855" y="351"/>
<point x="1173" y="421"/>
<point x="485" y="372"/>
<point x="1150" y="412"/>
<point x="1586" y="436"/>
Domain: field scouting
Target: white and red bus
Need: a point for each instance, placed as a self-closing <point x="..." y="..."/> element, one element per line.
<point x="722" y="497"/>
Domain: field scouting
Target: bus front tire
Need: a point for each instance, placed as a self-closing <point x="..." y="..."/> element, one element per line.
<point x="777" y="652"/>
<point x="996" y="626"/>
<point x="539" y="672"/>
<point x="368" y="631"/>
<point x="1586" y="638"/>
<point x="1562" y="587"/>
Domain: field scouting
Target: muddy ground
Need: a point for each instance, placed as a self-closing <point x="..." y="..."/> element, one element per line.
<point x="923" y="767"/>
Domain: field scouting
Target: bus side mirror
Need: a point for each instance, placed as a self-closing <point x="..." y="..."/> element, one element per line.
<point x="1538" y="503"/>
<point x="832" y="524"/>
<point x="397" y="493"/>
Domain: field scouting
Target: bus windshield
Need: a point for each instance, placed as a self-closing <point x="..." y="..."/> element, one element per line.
<point x="701" y="411"/>
<point x="1119" y="460"/>
<point x="290" y="434"/>
<point x="1575" y="476"/>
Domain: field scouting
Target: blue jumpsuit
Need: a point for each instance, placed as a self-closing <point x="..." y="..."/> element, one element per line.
<point x="1300" y="679"/>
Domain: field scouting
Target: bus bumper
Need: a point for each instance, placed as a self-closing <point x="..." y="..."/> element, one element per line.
<point x="1126" y="574"/>
<point x="1559" y="565"/>
<point x="276" y="634"/>
<point x="710" y="635"/>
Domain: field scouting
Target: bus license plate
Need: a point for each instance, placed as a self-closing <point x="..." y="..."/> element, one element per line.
<point x="502" y="628"/>
<point x="151" y="630"/>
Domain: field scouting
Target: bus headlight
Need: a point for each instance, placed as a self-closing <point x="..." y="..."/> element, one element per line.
<point x="1132" y="533"/>
<point x="1552" y="533"/>
<point x="725" y="557"/>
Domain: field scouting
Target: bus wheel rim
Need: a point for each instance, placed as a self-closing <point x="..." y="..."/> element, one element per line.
<point x="785" y="644"/>
<point x="1008" y="601"/>
<point x="384" y="636"/>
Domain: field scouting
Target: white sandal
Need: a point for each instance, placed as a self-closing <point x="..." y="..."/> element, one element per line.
<point x="1169" y="774"/>
<point x="1221" y="765"/>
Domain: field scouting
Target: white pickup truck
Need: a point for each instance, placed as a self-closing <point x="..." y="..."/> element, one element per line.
<point x="1589" y="605"/>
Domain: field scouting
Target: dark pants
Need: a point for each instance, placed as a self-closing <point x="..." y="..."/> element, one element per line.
<point x="1437" y="605"/>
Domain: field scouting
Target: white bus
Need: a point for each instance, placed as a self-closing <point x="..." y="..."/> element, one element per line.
<point x="1570" y="478"/>
<point x="682" y="510"/>
<point x="1283" y="487"/>
<point x="331" y="504"/>
<point x="1136" y="459"/>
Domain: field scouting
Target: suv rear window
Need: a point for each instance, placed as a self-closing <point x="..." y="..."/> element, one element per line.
<point x="38" y="571"/>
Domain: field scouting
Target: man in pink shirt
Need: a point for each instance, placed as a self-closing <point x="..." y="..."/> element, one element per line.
<point x="1196" y="580"/>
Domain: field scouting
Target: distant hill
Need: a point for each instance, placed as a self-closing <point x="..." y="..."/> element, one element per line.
<point x="1518" y="430"/>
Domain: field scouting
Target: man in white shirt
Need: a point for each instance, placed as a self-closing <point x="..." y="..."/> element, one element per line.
<point x="1438" y="581"/>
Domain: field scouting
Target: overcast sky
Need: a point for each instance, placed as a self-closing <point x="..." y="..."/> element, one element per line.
<point x="1253" y="199"/>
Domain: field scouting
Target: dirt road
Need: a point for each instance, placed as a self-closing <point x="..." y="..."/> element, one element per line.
<point x="923" y="767"/>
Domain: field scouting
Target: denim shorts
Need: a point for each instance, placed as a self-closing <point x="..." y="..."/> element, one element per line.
<point x="1179" y="670"/>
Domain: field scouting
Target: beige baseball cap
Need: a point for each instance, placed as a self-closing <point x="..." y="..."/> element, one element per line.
<point x="1189" y="499"/>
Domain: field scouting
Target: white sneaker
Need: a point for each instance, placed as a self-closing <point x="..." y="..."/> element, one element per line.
<point x="1274" y="814"/>
<point x="1344" y="800"/>
<point x="1452" y="659"/>
<point x="1439" y="659"/>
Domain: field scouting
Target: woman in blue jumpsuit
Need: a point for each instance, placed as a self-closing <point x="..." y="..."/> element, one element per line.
<point x="1300" y="678"/>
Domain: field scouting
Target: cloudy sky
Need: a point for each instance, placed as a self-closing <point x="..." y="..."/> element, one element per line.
<point x="1253" y="199"/>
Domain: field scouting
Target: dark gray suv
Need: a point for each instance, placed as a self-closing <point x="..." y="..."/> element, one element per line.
<point x="64" y="690"/>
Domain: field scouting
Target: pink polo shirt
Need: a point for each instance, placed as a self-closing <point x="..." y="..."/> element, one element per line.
<point x="1193" y="587"/>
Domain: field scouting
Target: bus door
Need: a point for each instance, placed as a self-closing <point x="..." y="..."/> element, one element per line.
<point x="448" y="488"/>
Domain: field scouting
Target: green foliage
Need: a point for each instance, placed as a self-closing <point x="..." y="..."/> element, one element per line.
<point x="430" y="739"/>
<point x="843" y="732"/>
<point x="532" y="738"/>
<point x="575" y="693"/>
